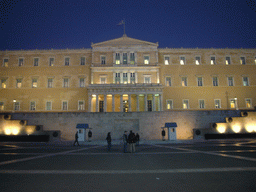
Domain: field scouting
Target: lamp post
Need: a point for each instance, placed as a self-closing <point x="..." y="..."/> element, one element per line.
<point x="14" y="101"/>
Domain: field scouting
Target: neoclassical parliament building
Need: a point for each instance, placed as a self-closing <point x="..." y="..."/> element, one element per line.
<point x="127" y="75"/>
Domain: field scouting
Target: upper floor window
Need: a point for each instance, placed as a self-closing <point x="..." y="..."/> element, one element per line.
<point x="16" y="106"/>
<point x="32" y="106"/>
<point x="34" y="83"/>
<point x="103" y="80"/>
<point x="201" y="104"/>
<point x="82" y="82"/>
<point x="125" y="78"/>
<point x="3" y="83"/>
<point x="245" y="81"/>
<point x="146" y="59"/>
<point x="199" y="81"/>
<point x="132" y="58"/>
<point x="36" y="61"/>
<point x="117" y="59"/>
<point x="215" y="81"/>
<point x="65" y="82"/>
<point x="64" y="105"/>
<point x="198" y="60"/>
<point x="242" y="60"/>
<point x="184" y="82"/>
<point x="168" y="81"/>
<point x="117" y="78"/>
<point x="233" y="103"/>
<point x="217" y="103"/>
<point x="228" y="60"/>
<point x="230" y="81"/>
<point x="166" y="60"/>
<point x="48" y="105"/>
<point x="147" y="79"/>
<point x="21" y="61"/>
<point x="1" y="106"/>
<point x="124" y="58"/>
<point x="248" y="103"/>
<point x="132" y="79"/>
<point x="213" y="60"/>
<point x="169" y="104"/>
<point x="80" y="105"/>
<point x="51" y="61"/>
<point x="6" y="62"/>
<point x="185" y="104"/>
<point x="182" y="60"/>
<point x="103" y="59"/>
<point x="82" y="61"/>
<point x="67" y="61"/>
<point x="50" y="83"/>
<point x="18" y="83"/>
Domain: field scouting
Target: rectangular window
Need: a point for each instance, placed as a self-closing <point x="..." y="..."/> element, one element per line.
<point x="103" y="80"/>
<point x="245" y="81"/>
<point x="36" y="61"/>
<point x="198" y="60"/>
<point x="16" y="106"/>
<point x="103" y="59"/>
<point x="248" y="103"/>
<point x="1" y="106"/>
<point x="215" y="81"/>
<point x="168" y="81"/>
<point x="146" y="60"/>
<point x="64" y="105"/>
<point x="6" y="62"/>
<point x="149" y="105"/>
<point x="184" y="82"/>
<point x="125" y="78"/>
<point x="101" y="106"/>
<point x="166" y="60"/>
<point x="182" y="60"/>
<point x="232" y="103"/>
<point x="81" y="82"/>
<point x="67" y="61"/>
<point x="65" y="82"/>
<point x="32" y="106"/>
<point x="169" y="104"/>
<point x="230" y="81"/>
<point x="82" y="61"/>
<point x="51" y="61"/>
<point x="80" y="105"/>
<point x="124" y="58"/>
<point x="117" y="78"/>
<point x="132" y="79"/>
<point x="34" y="83"/>
<point x="3" y="83"/>
<point x="132" y="58"/>
<point x="199" y="81"/>
<point x="18" y="83"/>
<point x="201" y="104"/>
<point x="118" y="58"/>
<point x="242" y="60"/>
<point x="228" y="60"/>
<point x="48" y="105"/>
<point x="185" y="104"/>
<point x="213" y="60"/>
<point x="21" y="61"/>
<point x="50" y="83"/>
<point x="147" y="79"/>
<point x="217" y="103"/>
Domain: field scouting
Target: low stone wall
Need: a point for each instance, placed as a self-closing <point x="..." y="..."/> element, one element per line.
<point x="147" y="124"/>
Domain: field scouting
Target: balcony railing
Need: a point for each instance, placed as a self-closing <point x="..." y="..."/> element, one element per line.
<point x="123" y="65"/>
<point x="114" y="85"/>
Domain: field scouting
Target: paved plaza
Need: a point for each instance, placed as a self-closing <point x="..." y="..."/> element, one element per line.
<point x="217" y="165"/>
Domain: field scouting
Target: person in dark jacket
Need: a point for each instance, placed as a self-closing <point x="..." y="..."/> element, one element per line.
<point x="131" y="141"/>
<point x="76" y="139"/>
<point x="109" y="141"/>
<point x="89" y="135"/>
<point x="137" y="138"/>
<point x="163" y="134"/>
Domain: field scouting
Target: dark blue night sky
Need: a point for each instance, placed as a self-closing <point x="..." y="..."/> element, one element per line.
<point x="61" y="24"/>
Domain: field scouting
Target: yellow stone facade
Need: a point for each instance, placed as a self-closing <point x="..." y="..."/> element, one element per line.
<point x="127" y="75"/>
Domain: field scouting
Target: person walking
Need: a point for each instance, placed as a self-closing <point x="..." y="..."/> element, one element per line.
<point x="131" y="141"/>
<point x="89" y="135"/>
<point x="109" y="141"/>
<point x="125" y="139"/>
<point x="76" y="139"/>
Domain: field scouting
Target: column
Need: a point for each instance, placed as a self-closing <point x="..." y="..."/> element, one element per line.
<point x="113" y="103"/>
<point x="90" y="103"/>
<point x="138" y="103"/>
<point x="97" y="103"/>
<point x="153" y="102"/>
<point x="105" y="103"/>
<point x="161" y="102"/>
<point x="145" y="102"/>
<point x="129" y="102"/>
<point x="121" y="103"/>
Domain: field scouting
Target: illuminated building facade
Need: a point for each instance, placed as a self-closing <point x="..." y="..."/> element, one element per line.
<point x="127" y="75"/>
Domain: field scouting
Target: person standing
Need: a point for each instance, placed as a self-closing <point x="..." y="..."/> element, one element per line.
<point x="131" y="141"/>
<point x="76" y="139"/>
<point x="125" y="139"/>
<point x="163" y="134"/>
<point x="109" y="141"/>
<point x="89" y="135"/>
<point x="137" y="139"/>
